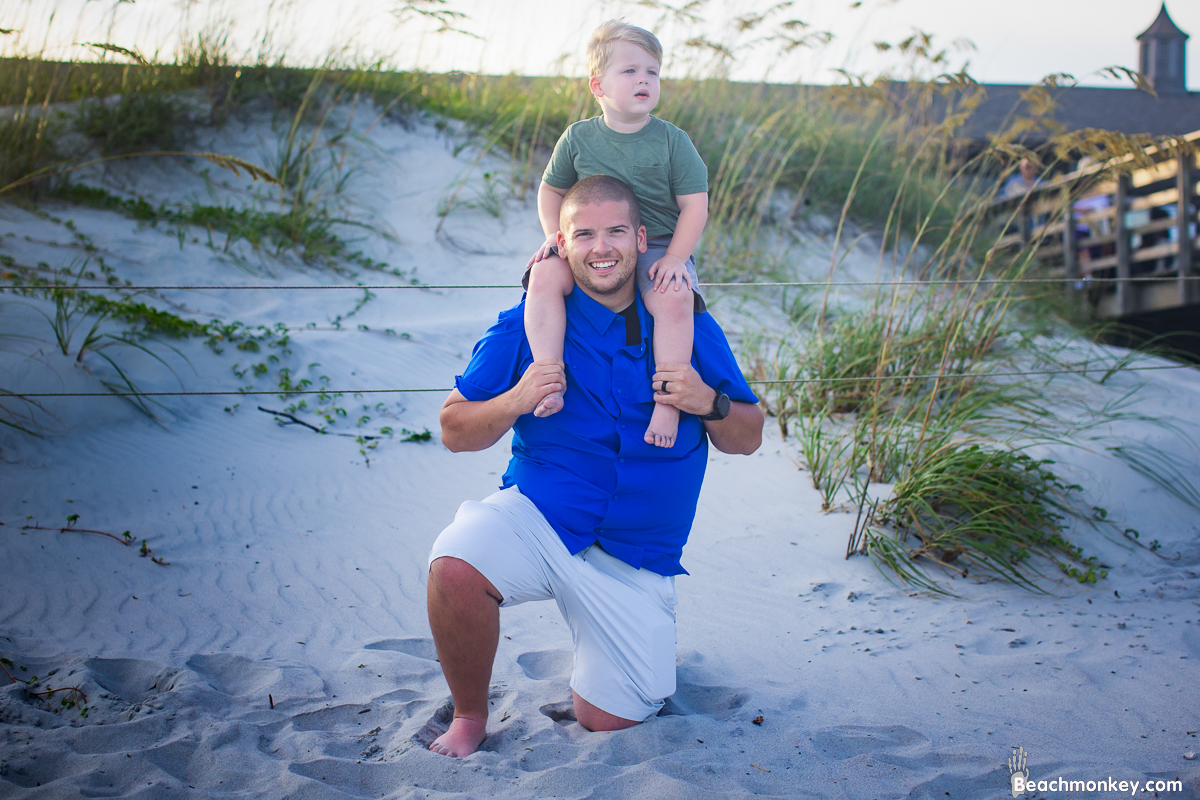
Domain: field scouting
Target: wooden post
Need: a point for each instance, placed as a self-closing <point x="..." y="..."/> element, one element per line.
<point x="1070" y="249"/>
<point x="1124" y="262"/>
<point x="1187" y="289"/>
<point x="1026" y="219"/>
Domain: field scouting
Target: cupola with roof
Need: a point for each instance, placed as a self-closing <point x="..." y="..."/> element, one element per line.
<point x="1163" y="55"/>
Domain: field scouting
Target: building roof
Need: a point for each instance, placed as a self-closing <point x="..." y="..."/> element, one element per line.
<point x="1129" y="111"/>
<point x="1163" y="27"/>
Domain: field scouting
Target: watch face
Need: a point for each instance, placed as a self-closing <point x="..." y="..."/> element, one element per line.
<point x="722" y="405"/>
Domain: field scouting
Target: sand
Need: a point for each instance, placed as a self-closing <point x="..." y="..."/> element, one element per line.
<point x="284" y="652"/>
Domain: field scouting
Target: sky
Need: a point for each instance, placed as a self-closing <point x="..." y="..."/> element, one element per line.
<point x="1017" y="41"/>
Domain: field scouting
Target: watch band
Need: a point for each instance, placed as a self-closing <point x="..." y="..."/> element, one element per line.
<point x="720" y="408"/>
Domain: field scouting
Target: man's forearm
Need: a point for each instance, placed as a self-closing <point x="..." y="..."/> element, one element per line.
<point x="740" y="433"/>
<point x="469" y="425"/>
<point x="479" y="424"/>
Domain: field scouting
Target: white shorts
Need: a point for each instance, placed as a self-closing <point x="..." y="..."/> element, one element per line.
<point x="622" y="619"/>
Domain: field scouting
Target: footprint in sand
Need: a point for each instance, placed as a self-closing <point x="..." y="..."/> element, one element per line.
<point x="562" y="713"/>
<point x="130" y="679"/>
<point x="266" y="683"/>
<point x="545" y="665"/>
<point x="234" y="675"/>
<point x="847" y="741"/>
<point x="437" y="724"/>
<point x="418" y="648"/>
<point x="717" y="702"/>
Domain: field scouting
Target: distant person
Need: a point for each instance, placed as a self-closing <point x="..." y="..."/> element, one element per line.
<point x="1025" y="179"/>
<point x="670" y="180"/>
<point x="1089" y="223"/>
<point x="589" y="514"/>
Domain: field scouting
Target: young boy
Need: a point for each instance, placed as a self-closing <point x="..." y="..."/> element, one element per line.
<point x="661" y="165"/>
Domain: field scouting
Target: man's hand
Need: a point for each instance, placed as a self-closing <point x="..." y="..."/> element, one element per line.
<point x="686" y="390"/>
<point x="670" y="268"/>
<point x="544" y="251"/>
<point x="740" y="433"/>
<point x="544" y="376"/>
<point x="469" y="425"/>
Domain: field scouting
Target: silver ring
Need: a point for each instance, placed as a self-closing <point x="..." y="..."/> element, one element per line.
<point x="663" y="388"/>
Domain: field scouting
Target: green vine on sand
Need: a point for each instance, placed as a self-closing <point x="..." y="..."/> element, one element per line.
<point x="76" y="698"/>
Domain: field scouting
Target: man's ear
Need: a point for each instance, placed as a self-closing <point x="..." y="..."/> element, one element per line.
<point x="562" y="245"/>
<point x="594" y="86"/>
<point x="641" y="238"/>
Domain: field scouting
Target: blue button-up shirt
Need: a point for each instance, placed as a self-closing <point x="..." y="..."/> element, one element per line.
<point x="587" y="468"/>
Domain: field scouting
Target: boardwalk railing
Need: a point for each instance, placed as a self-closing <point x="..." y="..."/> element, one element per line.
<point x="1092" y="227"/>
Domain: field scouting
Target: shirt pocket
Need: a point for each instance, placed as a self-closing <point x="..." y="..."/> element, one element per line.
<point x="655" y="182"/>
<point x="643" y="393"/>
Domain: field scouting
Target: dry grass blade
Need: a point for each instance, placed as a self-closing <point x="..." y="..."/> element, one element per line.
<point x="123" y="51"/>
<point x="14" y="420"/>
<point x="1139" y="80"/>
<point x="236" y="164"/>
<point x="224" y="161"/>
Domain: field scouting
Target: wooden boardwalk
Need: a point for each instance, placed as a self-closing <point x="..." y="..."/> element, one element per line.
<point x="1143" y="224"/>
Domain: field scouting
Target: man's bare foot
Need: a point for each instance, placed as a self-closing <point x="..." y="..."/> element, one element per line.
<point x="463" y="738"/>
<point x="551" y="404"/>
<point x="664" y="425"/>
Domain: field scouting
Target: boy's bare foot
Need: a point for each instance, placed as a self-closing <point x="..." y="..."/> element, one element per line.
<point x="551" y="404"/>
<point x="664" y="425"/>
<point x="463" y="738"/>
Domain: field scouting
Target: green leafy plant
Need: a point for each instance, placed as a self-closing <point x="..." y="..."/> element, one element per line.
<point x="135" y="121"/>
<point x="967" y="505"/>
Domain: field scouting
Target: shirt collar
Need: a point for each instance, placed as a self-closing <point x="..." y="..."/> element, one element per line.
<point x="600" y="317"/>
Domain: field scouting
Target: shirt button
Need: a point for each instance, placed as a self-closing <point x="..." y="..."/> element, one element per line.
<point x="622" y="427"/>
<point x="616" y="497"/>
<point x="620" y="391"/>
<point x="621" y="460"/>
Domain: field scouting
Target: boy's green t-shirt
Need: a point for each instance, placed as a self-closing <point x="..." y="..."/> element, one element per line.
<point x="658" y="162"/>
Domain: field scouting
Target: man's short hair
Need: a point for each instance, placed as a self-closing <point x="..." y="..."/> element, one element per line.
<point x="596" y="189"/>
<point x="599" y="49"/>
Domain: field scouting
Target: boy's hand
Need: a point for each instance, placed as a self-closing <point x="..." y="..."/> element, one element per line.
<point x="544" y="251"/>
<point x="670" y="268"/>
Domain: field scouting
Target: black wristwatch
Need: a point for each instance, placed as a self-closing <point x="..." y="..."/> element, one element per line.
<point x="720" y="407"/>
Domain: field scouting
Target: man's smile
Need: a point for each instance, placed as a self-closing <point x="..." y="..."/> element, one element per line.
<point x="603" y="265"/>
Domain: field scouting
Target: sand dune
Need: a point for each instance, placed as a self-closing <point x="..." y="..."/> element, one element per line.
<point x="285" y="653"/>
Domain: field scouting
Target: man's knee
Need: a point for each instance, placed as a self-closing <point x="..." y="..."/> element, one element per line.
<point x="597" y="720"/>
<point x="450" y="575"/>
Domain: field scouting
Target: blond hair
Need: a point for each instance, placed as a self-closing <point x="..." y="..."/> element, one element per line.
<point x="599" y="50"/>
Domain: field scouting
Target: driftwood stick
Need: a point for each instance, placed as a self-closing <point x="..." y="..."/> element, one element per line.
<point x="128" y="542"/>
<point x="292" y="418"/>
<point x="113" y="536"/>
<point x="314" y="427"/>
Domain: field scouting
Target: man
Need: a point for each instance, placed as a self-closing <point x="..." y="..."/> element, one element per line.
<point x="1025" y="179"/>
<point x="591" y="515"/>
